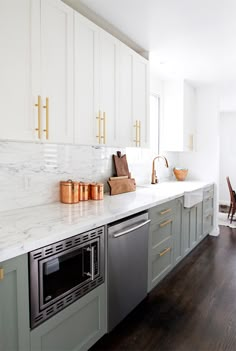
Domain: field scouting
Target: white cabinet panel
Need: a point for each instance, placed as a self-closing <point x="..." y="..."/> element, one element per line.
<point x="108" y="88"/>
<point x="16" y="119"/>
<point x="179" y="116"/>
<point x="56" y="69"/>
<point x="86" y="80"/>
<point x="141" y="98"/>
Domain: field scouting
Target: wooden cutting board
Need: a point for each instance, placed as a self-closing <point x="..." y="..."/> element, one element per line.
<point x="120" y="186"/>
<point x="121" y="165"/>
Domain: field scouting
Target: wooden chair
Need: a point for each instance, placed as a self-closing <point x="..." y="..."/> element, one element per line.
<point x="232" y="207"/>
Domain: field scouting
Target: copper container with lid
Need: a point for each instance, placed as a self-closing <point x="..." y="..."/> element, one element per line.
<point x="69" y="192"/>
<point x="97" y="190"/>
<point x="84" y="191"/>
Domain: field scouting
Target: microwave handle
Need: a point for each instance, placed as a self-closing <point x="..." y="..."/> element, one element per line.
<point x="91" y="250"/>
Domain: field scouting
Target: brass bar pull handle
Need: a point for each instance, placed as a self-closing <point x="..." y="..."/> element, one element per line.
<point x="162" y="253"/>
<point x="99" y="127"/>
<point x="38" y="129"/>
<point x="166" y="211"/>
<point x="46" y="106"/>
<point x="1" y="273"/>
<point x="163" y="224"/>
<point x="136" y="133"/>
<point x="104" y="127"/>
<point x="139" y="133"/>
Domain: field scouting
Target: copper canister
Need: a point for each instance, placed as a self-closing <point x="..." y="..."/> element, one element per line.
<point x="97" y="191"/>
<point x="69" y="192"/>
<point x="84" y="191"/>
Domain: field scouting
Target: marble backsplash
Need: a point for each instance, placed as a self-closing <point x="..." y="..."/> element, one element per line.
<point x="30" y="172"/>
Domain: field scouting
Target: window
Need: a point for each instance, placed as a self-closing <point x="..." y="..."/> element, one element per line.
<point x="155" y="122"/>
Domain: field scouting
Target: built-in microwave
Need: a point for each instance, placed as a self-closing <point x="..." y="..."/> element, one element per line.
<point x="63" y="272"/>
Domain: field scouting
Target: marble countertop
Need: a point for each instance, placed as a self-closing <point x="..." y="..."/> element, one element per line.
<point x="27" y="229"/>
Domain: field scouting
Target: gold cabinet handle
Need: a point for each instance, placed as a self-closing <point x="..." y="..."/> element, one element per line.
<point x="1" y="273"/>
<point x="104" y="128"/>
<point x="46" y="106"/>
<point x="38" y="129"/>
<point x="136" y="133"/>
<point x="165" y="211"/>
<point x="162" y="253"/>
<point x="139" y="133"/>
<point x="99" y="127"/>
<point x="163" y="224"/>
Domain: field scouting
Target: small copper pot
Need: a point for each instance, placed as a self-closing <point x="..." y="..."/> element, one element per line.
<point x="69" y="192"/>
<point x="97" y="190"/>
<point x="84" y="190"/>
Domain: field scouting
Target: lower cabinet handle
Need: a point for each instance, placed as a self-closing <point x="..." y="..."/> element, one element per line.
<point x="163" y="224"/>
<point x="162" y="253"/>
<point x="165" y="211"/>
<point x="1" y="273"/>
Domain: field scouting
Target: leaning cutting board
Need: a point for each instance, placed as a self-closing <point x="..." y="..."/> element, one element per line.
<point x="121" y="165"/>
<point x="120" y="186"/>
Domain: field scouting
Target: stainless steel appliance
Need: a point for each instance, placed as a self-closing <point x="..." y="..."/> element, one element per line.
<point x="127" y="266"/>
<point x="63" y="272"/>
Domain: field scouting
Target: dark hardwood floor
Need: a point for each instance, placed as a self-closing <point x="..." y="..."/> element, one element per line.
<point x="193" y="309"/>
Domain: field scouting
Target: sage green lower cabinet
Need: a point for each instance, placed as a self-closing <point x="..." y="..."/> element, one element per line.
<point x="75" y="328"/>
<point x="208" y="209"/>
<point x="191" y="227"/>
<point x="161" y="242"/>
<point x="177" y="234"/>
<point x="14" y="305"/>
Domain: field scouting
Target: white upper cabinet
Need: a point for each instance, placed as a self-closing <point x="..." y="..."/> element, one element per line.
<point x="36" y="65"/>
<point x="96" y="87"/>
<point x="64" y="79"/>
<point x="133" y="122"/>
<point x="108" y="87"/>
<point x="86" y="78"/>
<point x="141" y="100"/>
<point x="53" y="70"/>
<point x="178" y="116"/>
<point x="125" y="124"/>
<point x="16" y="117"/>
<point x="111" y="89"/>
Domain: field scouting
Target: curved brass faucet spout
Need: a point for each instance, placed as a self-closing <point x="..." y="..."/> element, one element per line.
<point x="154" y="176"/>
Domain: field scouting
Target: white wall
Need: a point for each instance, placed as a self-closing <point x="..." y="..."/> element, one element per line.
<point x="227" y="155"/>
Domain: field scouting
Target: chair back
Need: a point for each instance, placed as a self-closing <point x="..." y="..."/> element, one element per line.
<point x="231" y="191"/>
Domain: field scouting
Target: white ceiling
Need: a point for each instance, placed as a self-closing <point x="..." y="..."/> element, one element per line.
<point x="191" y="39"/>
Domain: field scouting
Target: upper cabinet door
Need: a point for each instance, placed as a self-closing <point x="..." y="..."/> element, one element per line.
<point x="16" y="121"/>
<point x="108" y="87"/>
<point x="125" y="125"/>
<point x="86" y="122"/>
<point x="141" y="100"/>
<point x="57" y="71"/>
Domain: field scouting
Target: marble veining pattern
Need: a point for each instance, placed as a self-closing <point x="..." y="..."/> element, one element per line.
<point x="23" y="230"/>
<point x="30" y="172"/>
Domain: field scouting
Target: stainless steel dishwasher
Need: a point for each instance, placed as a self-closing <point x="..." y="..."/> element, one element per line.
<point x="127" y="266"/>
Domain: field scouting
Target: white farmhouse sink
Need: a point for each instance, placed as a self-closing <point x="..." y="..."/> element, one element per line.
<point x="193" y="197"/>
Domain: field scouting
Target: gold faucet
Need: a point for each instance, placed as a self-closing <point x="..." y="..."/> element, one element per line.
<point x="154" y="175"/>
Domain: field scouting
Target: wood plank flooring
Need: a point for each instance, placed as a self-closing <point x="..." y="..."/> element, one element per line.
<point x="193" y="309"/>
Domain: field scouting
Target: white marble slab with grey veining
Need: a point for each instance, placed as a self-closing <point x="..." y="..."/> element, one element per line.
<point x="26" y="229"/>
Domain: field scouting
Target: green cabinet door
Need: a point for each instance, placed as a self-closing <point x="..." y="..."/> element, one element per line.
<point x="14" y="305"/>
<point x="177" y="232"/>
<point x="75" y="328"/>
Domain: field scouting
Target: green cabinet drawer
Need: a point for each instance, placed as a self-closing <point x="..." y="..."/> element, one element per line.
<point x="208" y="192"/>
<point x="162" y="211"/>
<point x="208" y="204"/>
<point x="162" y="261"/>
<point x="161" y="230"/>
